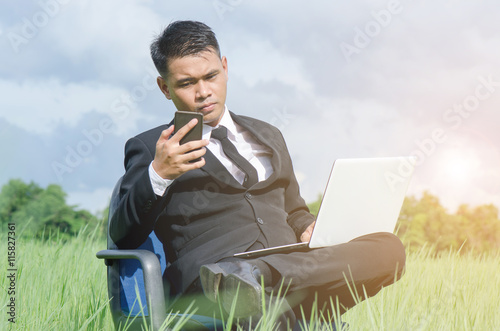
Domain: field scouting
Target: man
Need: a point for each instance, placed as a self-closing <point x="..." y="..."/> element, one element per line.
<point x="205" y="211"/>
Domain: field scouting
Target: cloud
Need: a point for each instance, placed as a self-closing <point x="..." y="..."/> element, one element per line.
<point x="88" y="159"/>
<point x="81" y="40"/>
<point x="258" y="61"/>
<point x="39" y="106"/>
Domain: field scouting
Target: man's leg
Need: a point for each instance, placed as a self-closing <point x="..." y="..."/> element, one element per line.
<point x="368" y="262"/>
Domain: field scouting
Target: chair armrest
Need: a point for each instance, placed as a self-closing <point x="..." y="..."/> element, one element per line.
<point x="153" y="283"/>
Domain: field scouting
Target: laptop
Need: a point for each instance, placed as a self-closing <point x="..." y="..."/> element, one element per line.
<point x="362" y="196"/>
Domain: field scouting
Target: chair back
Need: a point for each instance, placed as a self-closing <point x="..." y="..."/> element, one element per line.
<point x="126" y="280"/>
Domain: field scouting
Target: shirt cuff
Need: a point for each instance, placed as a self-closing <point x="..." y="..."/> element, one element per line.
<point x="159" y="184"/>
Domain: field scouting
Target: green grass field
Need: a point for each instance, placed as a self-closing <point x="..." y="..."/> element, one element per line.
<point x="62" y="286"/>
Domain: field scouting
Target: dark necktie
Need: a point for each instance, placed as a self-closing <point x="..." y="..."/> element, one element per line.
<point x="231" y="152"/>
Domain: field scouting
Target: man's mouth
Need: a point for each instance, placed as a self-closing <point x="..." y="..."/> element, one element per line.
<point x="207" y="107"/>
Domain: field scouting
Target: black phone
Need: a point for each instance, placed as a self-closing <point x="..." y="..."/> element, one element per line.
<point x="182" y="118"/>
<point x="196" y="133"/>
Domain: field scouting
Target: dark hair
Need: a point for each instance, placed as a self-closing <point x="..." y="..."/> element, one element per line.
<point x="179" y="39"/>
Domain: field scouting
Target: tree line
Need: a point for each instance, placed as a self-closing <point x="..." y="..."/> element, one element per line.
<point x="425" y="222"/>
<point x="43" y="213"/>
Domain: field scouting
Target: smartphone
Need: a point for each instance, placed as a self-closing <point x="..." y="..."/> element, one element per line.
<point x="181" y="119"/>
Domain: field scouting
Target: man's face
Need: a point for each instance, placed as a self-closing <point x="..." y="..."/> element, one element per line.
<point x="197" y="83"/>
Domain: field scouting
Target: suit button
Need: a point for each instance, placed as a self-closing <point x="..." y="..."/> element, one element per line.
<point x="260" y="221"/>
<point x="248" y="196"/>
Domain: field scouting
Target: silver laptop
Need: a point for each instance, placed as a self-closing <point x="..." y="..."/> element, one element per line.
<point x="362" y="196"/>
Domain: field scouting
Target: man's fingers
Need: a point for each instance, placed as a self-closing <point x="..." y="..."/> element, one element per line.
<point x="186" y="166"/>
<point x="192" y="145"/>
<point x="196" y="165"/>
<point x="189" y="156"/>
<point x="306" y="235"/>
<point x="165" y="134"/>
<point x="172" y="159"/>
<point x="184" y="130"/>
<point x="196" y="154"/>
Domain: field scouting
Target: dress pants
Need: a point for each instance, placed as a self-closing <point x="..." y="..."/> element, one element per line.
<point x="325" y="275"/>
<point x="330" y="274"/>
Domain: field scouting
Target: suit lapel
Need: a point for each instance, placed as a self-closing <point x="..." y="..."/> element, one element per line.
<point x="266" y="137"/>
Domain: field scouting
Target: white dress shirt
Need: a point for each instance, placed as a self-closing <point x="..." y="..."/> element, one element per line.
<point x="258" y="155"/>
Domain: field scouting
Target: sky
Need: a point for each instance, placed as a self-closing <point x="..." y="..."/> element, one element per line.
<point x="340" y="79"/>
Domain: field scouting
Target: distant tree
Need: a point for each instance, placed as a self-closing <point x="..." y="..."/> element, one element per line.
<point x="103" y="222"/>
<point x="425" y="221"/>
<point x="314" y="206"/>
<point x="40" y="213"/>
<point x="481" y="226"/>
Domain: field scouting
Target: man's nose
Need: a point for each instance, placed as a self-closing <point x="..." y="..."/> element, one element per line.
<point x="202" y="90"/>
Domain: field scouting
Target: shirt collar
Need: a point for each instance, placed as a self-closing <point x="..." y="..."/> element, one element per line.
<point x="226" y="121"/>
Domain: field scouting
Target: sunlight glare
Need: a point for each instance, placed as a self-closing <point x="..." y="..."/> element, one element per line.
<point x="460" y="166"/>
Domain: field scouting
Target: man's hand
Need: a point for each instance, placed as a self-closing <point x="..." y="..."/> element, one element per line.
<point x="306" y="235"/>
<point x="172" y="159"/>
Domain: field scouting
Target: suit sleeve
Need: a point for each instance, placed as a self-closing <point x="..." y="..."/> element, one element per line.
<point x="299" y="217"/>
<point x="139" y="207"/>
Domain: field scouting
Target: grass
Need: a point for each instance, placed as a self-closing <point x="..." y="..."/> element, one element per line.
<point x="62" y="286"/>
<point x="449" y="292"/>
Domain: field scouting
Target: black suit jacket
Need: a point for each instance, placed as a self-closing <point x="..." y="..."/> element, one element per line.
<point x="205" y="215"/>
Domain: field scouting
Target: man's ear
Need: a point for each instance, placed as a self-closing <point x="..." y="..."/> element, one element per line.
<point x="162" y="84"/>
<point x="224" y="66"/>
